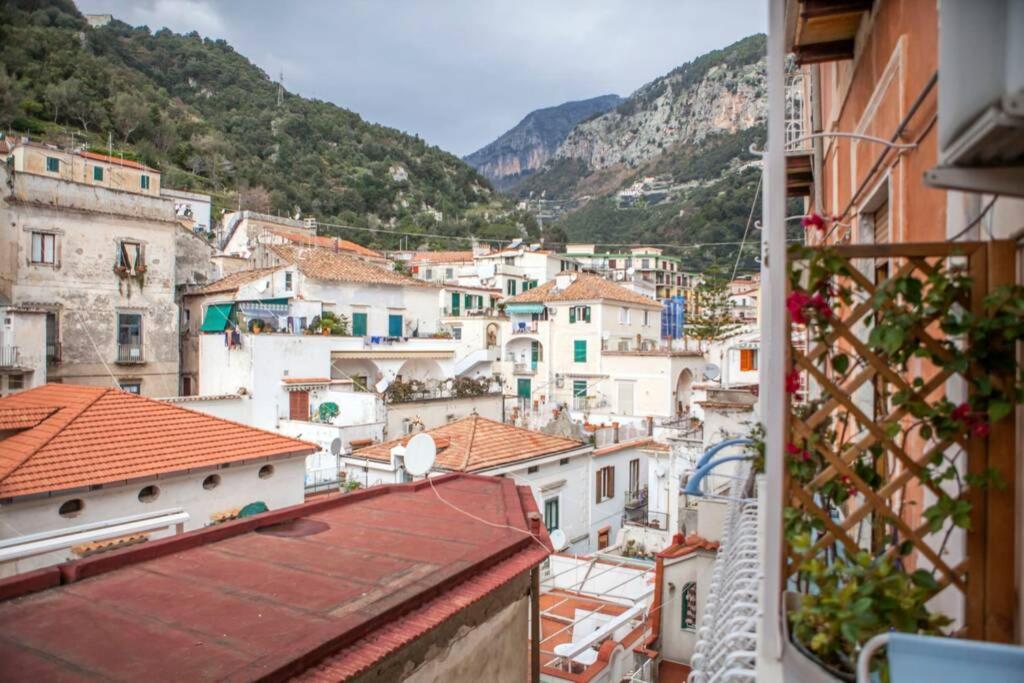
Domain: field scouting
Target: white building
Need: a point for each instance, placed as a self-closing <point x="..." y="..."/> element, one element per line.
<point x="191" y="207"/>
<point x="24" y="350"/>
<point x="94" y="468"/>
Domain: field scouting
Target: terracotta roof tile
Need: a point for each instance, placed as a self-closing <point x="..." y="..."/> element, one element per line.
<point x="117" y="161"/>
<point x="325" y="264"/>
<point x="421" y="257"/>
<point x="585" y="287"/>
<point x="475" y="443"/>
<point x="23" y="418"/>
<point x="333" y="243"/>
<point x="97" y="435"/>
<point x="231" y="283"/>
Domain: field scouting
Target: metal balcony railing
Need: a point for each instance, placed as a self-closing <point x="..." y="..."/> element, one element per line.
<point x="130" y="353"/>
<point x="8" y="356"/>
<point x="524" y="327"/>
<point x="53" y="352"/>
<point x="636" y="499"/>
<point x="797" y="113"/>
<point x="524" y="369"/>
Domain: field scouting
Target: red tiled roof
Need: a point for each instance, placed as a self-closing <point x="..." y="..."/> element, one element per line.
<point x="116" y="161"/>
<point x="585" y="287"/>
<point x="327" y="264"/>
<point x="231" y="283"/>
<point x="330" y="588"/>
<point x="475" y="443"/>
<point x="97" y="435"/>
<point x="421" y="257"/>
<point x="324" y="241"/>
<point x="23" y="418"/>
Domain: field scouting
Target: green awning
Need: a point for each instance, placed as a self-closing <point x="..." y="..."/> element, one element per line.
<point x="524" y="308"/>
<point x="217" y="318"/>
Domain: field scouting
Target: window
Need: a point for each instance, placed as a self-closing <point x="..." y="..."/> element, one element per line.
<point x="688" y="598"/>
<point x="359" y="324"/>
<point x="551" y="520"/>
<point x="144" y="182"/>
<point x="647" y="318"/>
<point x="288" y="282"/>
<point x="266" y="472"/>
<point x="395" y="325"/>
<point x="510" y="260"/>
<point x="149" y="493"/>
<point x="748" y="359"/>
<point x="15" y="382"/>
<point x="129" y="256"/>
<point x="624" y="316"/>
<point x="532" y="469"/>
<point x="71" y="508"/>
<point x="645" y="264"/>
<point x="44" y="247"/>
<point x="53" y="164"/>
<point x="579" y="351"/>
<point x="457" y="333"/>
<point x="186" y="386"/>
<point x="360" y="382"/>
<point x="510" y="287"/>
<point x="131" y="387"/>
<point x="563" y="461"/>
<point x="605" y="484"/>
<point x="298" y="405"/>
<point x="97" y="173"/>
<point x="579" y="388"/>
<point x="129" y="329"/>
<point x="634" y="475"/>
<point x="428" y="274"/>
<point x="211" y="482"/>
<point x="579" y="313"/>
<point x="449" y="273"/>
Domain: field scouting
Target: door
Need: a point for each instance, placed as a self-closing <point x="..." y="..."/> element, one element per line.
<point x="626" y="397"/>
<point x="456" y="301"/>
<point x="298" y="405"/>
<point x="394" y="325"/>
<point x="603" y="535"/>
<point x="359" y="324"/>
<point x="534" y="354"/>
<point x="523" y="389"/>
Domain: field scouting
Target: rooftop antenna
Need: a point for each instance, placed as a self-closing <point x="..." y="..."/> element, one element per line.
<point x="420" y="453"/>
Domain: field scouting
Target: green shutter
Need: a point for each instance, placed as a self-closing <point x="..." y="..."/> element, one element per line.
<point x="572" y="314"/>
<point x="53" y="164"/>
<point x="523" y="388"/>
<point x="97" y="173"/>
<point x="217" y="318"/>
<point x="579" y="349"/>
<point x="144" y="180"/>
<point x="359" y="324"/>
<point x="394" y="326"/>
<point x="579" y="388"/>
<point x="455" y="303"/>
<point x="586" y="313"/>
<point x="512" y="283"/>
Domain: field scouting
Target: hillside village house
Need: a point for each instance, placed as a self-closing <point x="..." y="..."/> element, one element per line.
<point x="243" y="231"/>
<point x="85" y="469"/>
<point x="583" y="492"/>
<point x="393" y="583"/>
<point x="661" y="273"/>
<point x="89" y="239"/>
<point x="594" y="346"/>
<point x="437" y="266"/>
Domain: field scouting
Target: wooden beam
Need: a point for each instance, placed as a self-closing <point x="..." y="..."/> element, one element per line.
<point x="824" y="52"/>
<point x="828" y="8"/>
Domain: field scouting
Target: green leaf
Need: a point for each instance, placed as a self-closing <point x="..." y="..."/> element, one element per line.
<point x="924" y="579"/>
<point x="891" y="429"/>
<point x="998" y="409"/>
<point x="841" y="363"/>
<point x="906" y="548"/>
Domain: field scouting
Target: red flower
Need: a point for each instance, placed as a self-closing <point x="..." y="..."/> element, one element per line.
<point x="981" y="429"/>
<point x="793" y="449"/>
<point x="814" y="220"/>
<point x="961" y="412"/>
<point x="819" y="303"/>
<point x="793" y="381"/>
<point x="797" y="301"/>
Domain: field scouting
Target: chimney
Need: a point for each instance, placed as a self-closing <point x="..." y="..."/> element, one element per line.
<point x="562" y="281"/>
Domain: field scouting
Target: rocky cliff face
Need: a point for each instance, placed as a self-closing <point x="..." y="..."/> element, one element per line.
<point x="528" y="146"/>
<point x="720" y="92"/>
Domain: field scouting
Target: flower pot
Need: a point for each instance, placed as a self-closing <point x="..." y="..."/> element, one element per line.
<point x="799" y="661"/>
<point x="326" y="331"/>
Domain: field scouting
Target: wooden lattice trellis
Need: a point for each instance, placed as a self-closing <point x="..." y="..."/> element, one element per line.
<point x="876" y="518"/>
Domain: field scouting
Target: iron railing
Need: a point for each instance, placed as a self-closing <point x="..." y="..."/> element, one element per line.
<point x="524" y="369"/>
<point x="53" y="352"/>
<point x="525" y="327"/>
<point x="8" y="356"/>
<point x="130" y="353"/>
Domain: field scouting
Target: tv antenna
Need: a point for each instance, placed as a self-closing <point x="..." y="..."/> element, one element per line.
<point x="419" y="454"/>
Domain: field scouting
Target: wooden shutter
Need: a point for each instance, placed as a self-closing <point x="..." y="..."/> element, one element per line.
<point x="298" y="405"/>
<point x="597" y="488"/>
<point x="611" y="482"/>
<point x="746" y="359"/>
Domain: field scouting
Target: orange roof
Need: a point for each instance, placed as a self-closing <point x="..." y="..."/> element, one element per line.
<point x="117" y="161"/>
<point x="440" y="257"/>
<point x="98" y="435"/>
<point x="647" y="444"/>
<point x="326" y="264"/>
<point x="475" y="443"/>
<point x="306" y="380"/>
<point x="231" y="283"/>
<point x="325" y="242"/>
<point x="23" y="418"/>
<point x="585" y="287"/>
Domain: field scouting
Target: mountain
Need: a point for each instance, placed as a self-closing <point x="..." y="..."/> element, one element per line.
<point x="671" y="164"/>
<point x="526" y="147"/>
<point x="214" y="122"/>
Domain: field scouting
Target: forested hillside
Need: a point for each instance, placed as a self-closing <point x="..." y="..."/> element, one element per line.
<point x="212" y="121"/>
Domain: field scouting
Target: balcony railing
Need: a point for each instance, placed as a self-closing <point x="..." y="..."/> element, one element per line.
<point x="470" y="312"/>
<point x="130" y="353"/>
<point x="636" y="499"/>
<point x="53" y="352"/>
<point x="524" y="369"/>
<point x="8" y="356"/>
<point x="797" y="113"/>
<point x="524" y="327"/>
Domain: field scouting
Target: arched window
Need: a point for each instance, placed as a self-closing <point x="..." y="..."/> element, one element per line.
<point x="689" y="600"/>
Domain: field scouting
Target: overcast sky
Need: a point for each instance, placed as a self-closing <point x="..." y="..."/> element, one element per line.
<point x="457" y="72"/>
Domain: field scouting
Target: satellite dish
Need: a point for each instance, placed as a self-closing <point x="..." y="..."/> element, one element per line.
<point x="630" y="271"/>
<point x="558" y="540"/>
<point x="712" y="372"/>
<point x="659" y="471"/>
<point x="336" y="447"/>
<point x="262" y="286"/>
<point x="419" y="454"/>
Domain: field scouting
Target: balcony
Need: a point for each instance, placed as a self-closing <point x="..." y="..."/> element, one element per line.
<point x="524" y="327"/>
<point x="799" y="149"/>
<point x="449" y="312"/>
<point x="636" y="500"/>
<point x="8" y="356"/>
<point x="524" y="369"/>
<point x="128" y="354"/>
<point x="53" y="352"/>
